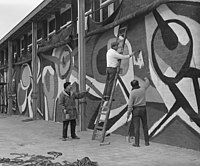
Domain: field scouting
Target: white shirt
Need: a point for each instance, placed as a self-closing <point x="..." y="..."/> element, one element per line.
<point x="113" y="56"/>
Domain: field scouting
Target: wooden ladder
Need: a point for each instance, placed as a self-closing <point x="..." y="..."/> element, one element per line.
<point x="105" y="106"/>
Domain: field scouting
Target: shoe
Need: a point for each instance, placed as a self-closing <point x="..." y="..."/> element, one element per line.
<point x="65" y="139"/>
<point x="76" y="137"/>
<point x="136" y="145"/>
<point x="147" y="144"/>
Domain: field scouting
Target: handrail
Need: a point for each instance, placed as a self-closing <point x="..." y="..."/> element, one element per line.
<point x="103" y="5"/>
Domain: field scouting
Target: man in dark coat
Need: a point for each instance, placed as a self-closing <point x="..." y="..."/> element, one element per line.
<point x="69" y="111"/>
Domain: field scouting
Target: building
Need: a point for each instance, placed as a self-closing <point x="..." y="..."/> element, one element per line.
<point x="166" y="32"/>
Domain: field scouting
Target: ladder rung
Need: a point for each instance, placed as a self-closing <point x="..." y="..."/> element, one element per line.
<point x="122" y="30"/>
<point x="122" y="33"/>
<point x="99" y="127"/>
<point x="101" y="120"/>
<point x="124" y="27"/>
<point x="104" y="112"/>
<point x="104" y="108"/>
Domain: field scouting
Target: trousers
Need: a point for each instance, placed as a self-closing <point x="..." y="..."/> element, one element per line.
<point x="131" y="128"/>
<point x="139" y="113"/>
<point x="111" y="72"/>
<point x="72" y="125"/>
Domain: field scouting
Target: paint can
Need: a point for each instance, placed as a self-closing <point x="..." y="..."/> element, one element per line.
<point x="67" y="116"/>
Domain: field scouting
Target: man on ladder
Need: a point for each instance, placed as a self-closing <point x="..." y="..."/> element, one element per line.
<point x="112" y="57"/>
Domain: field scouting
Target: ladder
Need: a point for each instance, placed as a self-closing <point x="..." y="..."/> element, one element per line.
<point x="105" y="106"/>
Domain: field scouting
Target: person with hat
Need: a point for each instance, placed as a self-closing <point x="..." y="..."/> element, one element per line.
<point x="69" y="111"/>
<point x="112" y="58"/>
<point x="137" y="106"/>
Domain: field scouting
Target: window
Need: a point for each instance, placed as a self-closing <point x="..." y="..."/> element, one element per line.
<point x="39" y="33"/>
<point x="96" y="6"/>
<point x="22" y="43"/>
<point x="29" y="39"/>
<point x="51" y="25"/>
<point x="104" y="12"/>
<point x="104" y="8"/>
<point x="66" y="17"/>
<point x="87" y="5"/>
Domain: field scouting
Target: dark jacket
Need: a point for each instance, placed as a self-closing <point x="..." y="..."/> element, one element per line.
<point x="68" y="103"/>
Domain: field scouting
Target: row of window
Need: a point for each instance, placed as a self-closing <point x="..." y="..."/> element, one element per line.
<point x="98" y="10"/>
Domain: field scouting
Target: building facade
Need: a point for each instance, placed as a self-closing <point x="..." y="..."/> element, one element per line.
<point x="166" y="32"/>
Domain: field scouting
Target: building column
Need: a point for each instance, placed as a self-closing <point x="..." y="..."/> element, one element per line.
<point x="81" y="59"/>
<point x="9" y="77"/>
<point x="2" y="81"/>
<point x="5" y="78"/>
<point x="34" y="69"/>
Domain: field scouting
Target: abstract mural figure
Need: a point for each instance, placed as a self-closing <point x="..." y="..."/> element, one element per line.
<point x="175" y="75"/>
<point x="50" y="82"/>
<point x="23" y="89"/>
<point x="54" y="76"/>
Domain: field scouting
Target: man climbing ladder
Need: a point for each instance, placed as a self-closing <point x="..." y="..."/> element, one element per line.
<point x="112" y="58"/>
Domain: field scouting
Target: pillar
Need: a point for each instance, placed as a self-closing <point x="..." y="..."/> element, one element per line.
<point x="9" y="76"/>
<point x="34" y="69"/>
<point x="81" y="59"/>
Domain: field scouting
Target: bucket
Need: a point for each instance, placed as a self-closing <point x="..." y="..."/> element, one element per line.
<point x="67" y="117"/>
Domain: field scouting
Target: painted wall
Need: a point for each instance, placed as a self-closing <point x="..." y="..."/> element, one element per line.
<point x="168" y="40"/>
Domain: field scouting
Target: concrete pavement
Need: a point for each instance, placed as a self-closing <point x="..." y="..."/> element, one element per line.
<point x="39" y="137"/>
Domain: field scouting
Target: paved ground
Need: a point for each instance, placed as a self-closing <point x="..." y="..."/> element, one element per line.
<point x="39" y="137"/>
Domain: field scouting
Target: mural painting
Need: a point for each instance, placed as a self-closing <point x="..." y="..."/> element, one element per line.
<point x="168" y="40"/>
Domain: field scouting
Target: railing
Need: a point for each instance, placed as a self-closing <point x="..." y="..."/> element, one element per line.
<point x="102" y="6"/>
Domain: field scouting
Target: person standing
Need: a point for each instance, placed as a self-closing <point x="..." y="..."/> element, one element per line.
<point x="137" y="106"/>
<point x="69" y="111"/>
<point x="112" y="58"/>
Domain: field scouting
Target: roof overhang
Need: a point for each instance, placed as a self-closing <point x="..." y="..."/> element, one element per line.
<point x="41" y="12"/>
